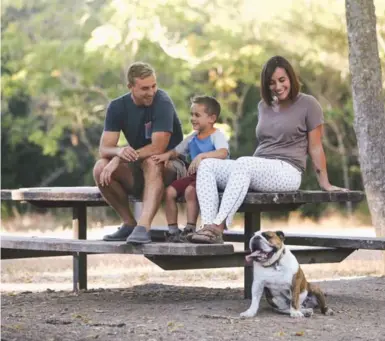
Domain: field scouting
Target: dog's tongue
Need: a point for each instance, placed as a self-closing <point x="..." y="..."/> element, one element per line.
<point x="248" y="259"/>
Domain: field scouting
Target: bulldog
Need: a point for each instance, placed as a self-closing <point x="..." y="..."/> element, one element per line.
<point x="277" y="274"/>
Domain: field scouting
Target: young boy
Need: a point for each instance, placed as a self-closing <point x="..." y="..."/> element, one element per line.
<point x="205" y="142"/>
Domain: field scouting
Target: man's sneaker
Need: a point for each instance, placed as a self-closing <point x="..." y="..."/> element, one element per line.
<point x="120" y="235"/>
<point x="139" y="236"/>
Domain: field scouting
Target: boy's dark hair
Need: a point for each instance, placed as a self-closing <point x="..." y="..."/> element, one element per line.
<point x="212" y="106"/>
<point x="267" y="72"/>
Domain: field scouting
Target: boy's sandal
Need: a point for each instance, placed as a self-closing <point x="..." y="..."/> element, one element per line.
<point x="187" y="232"/>
<point x="207" y="235"/>
<point x="173" y="237"/>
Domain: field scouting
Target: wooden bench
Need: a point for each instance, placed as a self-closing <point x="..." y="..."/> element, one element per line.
<point x="174" y="256"/>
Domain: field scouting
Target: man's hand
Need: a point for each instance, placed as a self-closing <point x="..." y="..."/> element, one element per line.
<point x="161" y="158"/>
<point x="193" y="168"/>
<point x="106" y="174"/>
<point x="128" y="154"/>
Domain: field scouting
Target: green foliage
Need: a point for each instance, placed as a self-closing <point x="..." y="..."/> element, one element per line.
<point x="63" y="61"/>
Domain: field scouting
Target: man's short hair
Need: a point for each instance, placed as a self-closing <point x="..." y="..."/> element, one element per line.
<point x="139" y="70"/>
<point x="212" y="106"/>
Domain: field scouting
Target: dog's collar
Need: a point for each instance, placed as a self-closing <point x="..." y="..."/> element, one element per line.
<point x="276" y="263"/>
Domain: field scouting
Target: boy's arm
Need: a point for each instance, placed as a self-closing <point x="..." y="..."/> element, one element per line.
<point x="221" y="153"/>
<point x="171" y="154"/>
<point x="222" y="148"/>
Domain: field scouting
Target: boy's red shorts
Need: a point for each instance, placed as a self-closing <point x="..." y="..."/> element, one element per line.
<point x="180" y="185"/>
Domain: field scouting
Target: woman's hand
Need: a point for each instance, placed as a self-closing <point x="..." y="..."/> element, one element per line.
<point x="331" y="188"/>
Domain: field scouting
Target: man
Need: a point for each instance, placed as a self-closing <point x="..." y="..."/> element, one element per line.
<point x="148" y="120"/>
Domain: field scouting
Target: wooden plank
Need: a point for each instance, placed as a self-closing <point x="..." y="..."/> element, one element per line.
<point x="99" y="246"/>
<point x="79" y="230"/>
<point x="92" y="194"/>
<point x="252" y="223"/>
<point x="6" y="194"/>
<point x="18" y="254"/>
<point x="365" y="243"/>
<point x="305" y="255"/>
<point x="238" y="236"/>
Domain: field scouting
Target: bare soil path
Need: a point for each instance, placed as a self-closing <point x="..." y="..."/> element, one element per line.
<point x="165" y="312"/>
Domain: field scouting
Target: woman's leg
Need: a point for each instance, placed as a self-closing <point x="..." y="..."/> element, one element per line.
<point x="213" y="174"/>
<point x="258" y="174"/>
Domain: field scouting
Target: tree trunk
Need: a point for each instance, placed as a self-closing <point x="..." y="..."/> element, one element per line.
<point x="368" y="102"/>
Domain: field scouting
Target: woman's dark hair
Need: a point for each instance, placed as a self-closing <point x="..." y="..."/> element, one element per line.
<point x="267" y="72"/>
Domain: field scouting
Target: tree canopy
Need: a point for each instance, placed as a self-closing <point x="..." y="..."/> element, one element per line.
<point x="63" y="61"/>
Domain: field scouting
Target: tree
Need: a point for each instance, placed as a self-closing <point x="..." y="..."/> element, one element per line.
<point x="368" y="103"/>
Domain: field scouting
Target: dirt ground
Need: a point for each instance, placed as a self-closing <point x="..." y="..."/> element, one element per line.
<point x="165" y="312"/>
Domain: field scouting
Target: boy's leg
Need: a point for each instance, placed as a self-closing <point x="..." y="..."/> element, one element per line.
<point x="171" y="209"/>
<point x="175" y="190"/>
<point x="192" y="205"/>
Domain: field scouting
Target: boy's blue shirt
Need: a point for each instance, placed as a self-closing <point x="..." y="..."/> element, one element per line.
<point x="192" y="146"/>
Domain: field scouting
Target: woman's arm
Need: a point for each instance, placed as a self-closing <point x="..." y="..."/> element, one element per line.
<point x="317" y="155"/>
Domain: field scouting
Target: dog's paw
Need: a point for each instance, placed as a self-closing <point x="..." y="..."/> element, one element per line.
<point x="296" y="314"/>
<point x="248" y="313"/>
<point x="307" y="312"/>
<point x="328" y="312"/>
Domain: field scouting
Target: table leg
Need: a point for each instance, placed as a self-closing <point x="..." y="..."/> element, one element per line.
<point x="79" y="225"/>
<point x="252" y="224"/>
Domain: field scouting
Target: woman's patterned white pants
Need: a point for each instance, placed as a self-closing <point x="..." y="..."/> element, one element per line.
<point x="236" y="177"/>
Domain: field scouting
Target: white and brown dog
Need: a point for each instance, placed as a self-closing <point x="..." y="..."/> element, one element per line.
<point x="277" y="274"/>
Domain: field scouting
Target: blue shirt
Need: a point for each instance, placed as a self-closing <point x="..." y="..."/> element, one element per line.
<point x="192" y="146"/>
<point x="138" y="122"/>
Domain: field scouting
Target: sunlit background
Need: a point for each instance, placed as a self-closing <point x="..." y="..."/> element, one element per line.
<point x="63" y="61"/>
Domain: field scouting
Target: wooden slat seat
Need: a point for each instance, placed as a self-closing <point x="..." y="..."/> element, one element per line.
<point x="92" y="194"/>
<point x="100" y="246"/>
<point x="169" y="256"/>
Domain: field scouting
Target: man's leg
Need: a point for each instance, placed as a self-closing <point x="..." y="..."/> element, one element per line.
<point x="155" y="177"/>
<point x="153" y="191"/>
<point x="116" y="195"/>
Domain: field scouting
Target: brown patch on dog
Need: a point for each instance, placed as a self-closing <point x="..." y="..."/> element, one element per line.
<point x="274" y="238"/>
<point x="316" y="291"/>
<point x="298" y="285"/>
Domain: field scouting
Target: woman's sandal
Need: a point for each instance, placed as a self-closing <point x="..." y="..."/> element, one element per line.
<point x="206" y="235"/>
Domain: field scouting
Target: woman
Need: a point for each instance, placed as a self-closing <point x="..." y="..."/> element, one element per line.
<point x="289" y="127"/>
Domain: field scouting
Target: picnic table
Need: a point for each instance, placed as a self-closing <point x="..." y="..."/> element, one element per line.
<point x="170" y="256"/>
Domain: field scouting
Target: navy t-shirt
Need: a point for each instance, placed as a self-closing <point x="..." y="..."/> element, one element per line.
<point x="138" y="122"/>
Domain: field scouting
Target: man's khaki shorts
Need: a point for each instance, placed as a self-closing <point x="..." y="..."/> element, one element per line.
<point x="174" y="170"/>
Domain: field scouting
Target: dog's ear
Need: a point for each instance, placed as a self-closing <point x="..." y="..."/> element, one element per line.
<point x="280" y="234"/>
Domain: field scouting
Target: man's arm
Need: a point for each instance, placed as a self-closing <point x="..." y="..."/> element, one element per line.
<point x="158" y="145"/>
<point x="108" y="148"/>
